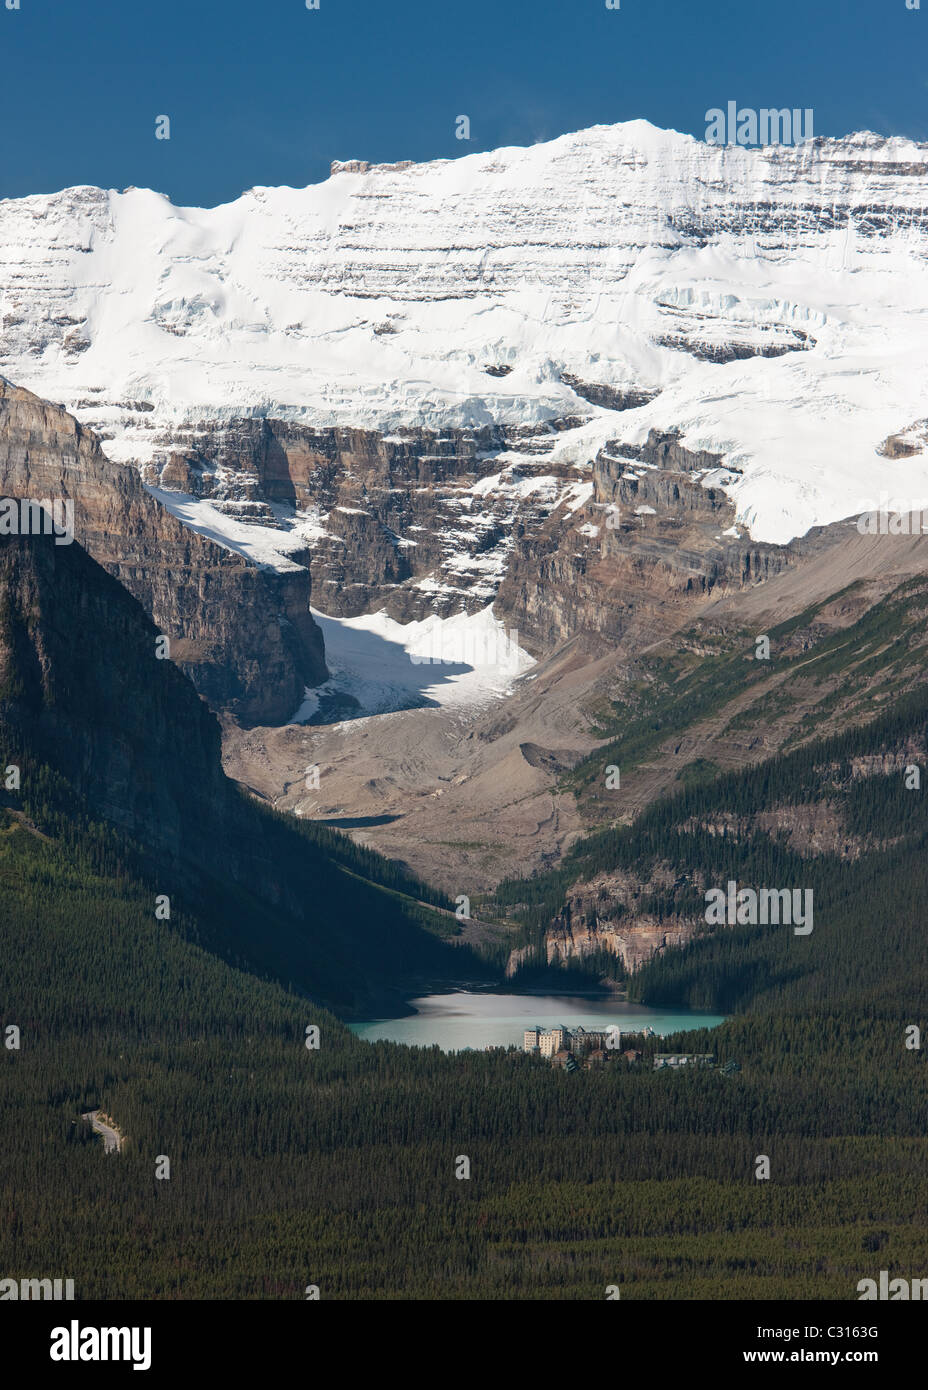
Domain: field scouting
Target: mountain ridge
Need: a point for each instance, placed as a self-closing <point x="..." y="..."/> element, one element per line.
<point x="713" y="279"/>
<point x="245" y="636"/>
<point x="119" y="762"/>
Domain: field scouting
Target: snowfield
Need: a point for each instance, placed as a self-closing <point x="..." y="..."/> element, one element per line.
<point x="465" y="660"/>
<point x="626" y="256"/>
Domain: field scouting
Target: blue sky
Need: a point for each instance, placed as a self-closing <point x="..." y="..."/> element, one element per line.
<point x="268" y="92"/>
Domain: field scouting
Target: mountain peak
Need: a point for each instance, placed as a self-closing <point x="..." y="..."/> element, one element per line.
<point x="734" y="291"/>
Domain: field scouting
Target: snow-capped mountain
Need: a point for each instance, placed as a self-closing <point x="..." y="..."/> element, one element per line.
<point x="769" y="304"/>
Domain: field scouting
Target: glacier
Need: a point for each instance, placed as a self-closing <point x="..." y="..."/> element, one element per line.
<point x="769" y="304"/>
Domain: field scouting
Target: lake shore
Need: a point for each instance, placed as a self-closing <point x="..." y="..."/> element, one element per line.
<point x="491" y="1018"/>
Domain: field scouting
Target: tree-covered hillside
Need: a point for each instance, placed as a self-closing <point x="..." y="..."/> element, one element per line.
<point x="335" y="1165"/>
<point x="111" y="742"/>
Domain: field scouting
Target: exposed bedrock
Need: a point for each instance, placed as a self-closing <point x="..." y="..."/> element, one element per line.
<point x="244" y="635"/>
<point x="656" y="538"/>
<point x="415" y="522"/>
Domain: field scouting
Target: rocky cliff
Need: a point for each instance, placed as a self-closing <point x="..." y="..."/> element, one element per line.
<point x="611" y="913"/>
<point x="654" y="539"/>
<point x="244" y="635"/>
<point x="103" y="731"/>
<point x="413" y="522"/>
<point x="418" y="522"/>
<point x="83" y="691"/>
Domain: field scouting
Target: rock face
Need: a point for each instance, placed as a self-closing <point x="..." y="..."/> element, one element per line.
<point x="414" y="522"/>
<point x="103" y="731"/>
<point x="244" y="635"/>
<point x="621" y="546"/>
<point x="654" y="539"/>
<point x="604" y="915"/>
<point x="81" y="689"/>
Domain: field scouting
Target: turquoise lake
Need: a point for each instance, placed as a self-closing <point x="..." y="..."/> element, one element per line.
<point x="479" y="1020"/>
